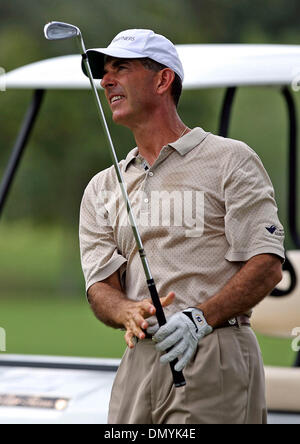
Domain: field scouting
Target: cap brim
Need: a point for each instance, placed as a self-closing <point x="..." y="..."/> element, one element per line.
<point x="96" y="59"/>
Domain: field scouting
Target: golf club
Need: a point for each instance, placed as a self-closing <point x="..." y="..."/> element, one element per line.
<point x="60" y="31"/>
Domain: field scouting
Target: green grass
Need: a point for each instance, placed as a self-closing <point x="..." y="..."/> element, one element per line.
<point x="277" y="351"/>
<point x="43" y="306"/>
<point x="39" y="258"/>
<point x="56" y="325"/>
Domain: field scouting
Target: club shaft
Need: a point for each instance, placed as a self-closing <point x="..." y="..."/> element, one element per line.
<point x="178" y="377"/>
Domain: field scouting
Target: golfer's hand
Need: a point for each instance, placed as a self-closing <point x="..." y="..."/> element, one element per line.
<point x="134" y="315"/>
<point x="180" y="336"/>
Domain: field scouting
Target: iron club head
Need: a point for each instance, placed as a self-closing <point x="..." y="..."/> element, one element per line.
<point x="60" y="31"/>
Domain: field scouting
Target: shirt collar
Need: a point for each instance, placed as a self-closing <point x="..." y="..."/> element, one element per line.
<point x="183" y="145"/>
<point x="131" y="156"/>
<point x="188" y="142"/>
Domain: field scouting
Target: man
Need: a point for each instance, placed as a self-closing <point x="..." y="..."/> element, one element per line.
<point x="211" y="266"/>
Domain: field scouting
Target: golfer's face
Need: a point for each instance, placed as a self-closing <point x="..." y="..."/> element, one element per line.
<point x="130" y="90"/>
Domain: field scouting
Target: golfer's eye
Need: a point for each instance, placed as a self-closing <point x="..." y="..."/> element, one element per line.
<point x="122" y="65"/>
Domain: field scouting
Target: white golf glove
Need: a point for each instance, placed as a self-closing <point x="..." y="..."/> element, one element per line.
<point x="180" y="336"/>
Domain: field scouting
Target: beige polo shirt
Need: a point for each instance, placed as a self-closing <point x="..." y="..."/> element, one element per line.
<point x="203" y="208"/>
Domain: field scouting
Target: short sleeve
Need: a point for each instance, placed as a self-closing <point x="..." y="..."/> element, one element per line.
<point x="251" y="221"/>
<point x="100" y="257"/>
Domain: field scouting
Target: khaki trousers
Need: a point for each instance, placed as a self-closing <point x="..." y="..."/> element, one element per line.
<point x="225" y="384"/>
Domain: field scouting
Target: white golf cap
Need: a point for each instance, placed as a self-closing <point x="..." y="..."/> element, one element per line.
<point x="134" y="44"/>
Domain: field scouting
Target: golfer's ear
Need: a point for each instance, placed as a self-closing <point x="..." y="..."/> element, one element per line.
<point x="165" y="80"/>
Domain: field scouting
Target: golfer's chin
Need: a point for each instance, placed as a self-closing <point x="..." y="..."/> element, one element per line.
<point x="121" y="117"/>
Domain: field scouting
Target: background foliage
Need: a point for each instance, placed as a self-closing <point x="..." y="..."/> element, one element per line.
<point x="39" y="254"/>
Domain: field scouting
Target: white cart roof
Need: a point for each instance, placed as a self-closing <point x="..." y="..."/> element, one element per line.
<point x="205" y="66"/>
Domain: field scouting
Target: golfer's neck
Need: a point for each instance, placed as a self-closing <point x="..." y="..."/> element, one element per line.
<point x="156" y="132"/>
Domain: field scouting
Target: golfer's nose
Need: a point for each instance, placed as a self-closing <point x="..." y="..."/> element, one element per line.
<point x="108" y="80"/>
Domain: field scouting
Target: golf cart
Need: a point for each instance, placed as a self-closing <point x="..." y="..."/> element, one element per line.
<point x="277" y="315"/>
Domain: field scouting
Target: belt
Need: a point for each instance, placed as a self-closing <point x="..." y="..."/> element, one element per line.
<point x="238" y="321"/>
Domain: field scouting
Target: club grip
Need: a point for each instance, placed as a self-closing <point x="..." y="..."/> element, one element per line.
<point x="178" y="377"/>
